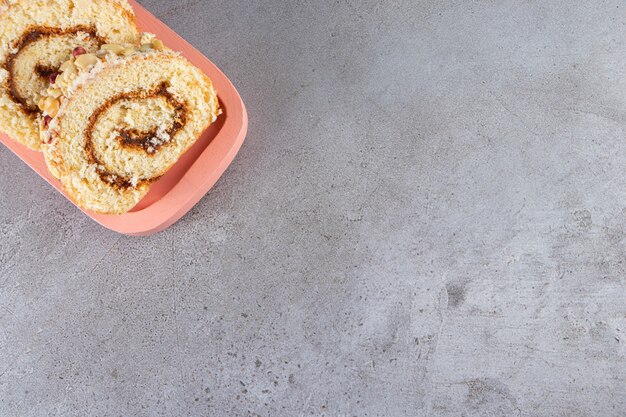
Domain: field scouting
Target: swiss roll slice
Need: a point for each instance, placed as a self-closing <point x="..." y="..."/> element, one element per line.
<point x="36" y="37"/>
<point x="125" y="117"/>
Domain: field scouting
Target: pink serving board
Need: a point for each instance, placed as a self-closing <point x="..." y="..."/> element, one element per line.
<point x="172" y="196"/>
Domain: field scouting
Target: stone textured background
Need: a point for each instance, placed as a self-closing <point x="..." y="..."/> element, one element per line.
<point x="427" y="219"/>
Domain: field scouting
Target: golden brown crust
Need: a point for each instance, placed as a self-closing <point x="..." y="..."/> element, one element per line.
<point x="128" y="14"/>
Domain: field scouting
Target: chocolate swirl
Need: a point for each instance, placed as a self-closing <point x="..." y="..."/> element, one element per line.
<point x="105" y="144"/>
<point x="22" y="88"/>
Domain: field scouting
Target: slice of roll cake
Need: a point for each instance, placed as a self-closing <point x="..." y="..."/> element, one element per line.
<point x="126" y="117"/>
<point x="36" y="36"/>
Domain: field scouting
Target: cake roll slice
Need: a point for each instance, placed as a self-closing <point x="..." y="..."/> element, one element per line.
<point x="36" y="37"/>
<point x="125" y="117"/>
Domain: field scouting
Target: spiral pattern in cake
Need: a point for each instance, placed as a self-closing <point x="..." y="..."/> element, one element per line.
<point x="124" y="123"/>
<point x="37" y="36"/>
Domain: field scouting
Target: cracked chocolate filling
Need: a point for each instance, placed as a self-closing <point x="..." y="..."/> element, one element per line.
<point x="45" y="71"/>
<point x="33" y="35"/>
<point x="133" y="138"/>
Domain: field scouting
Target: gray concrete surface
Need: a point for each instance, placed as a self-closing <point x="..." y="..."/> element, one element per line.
<point x="427" y="219"/>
